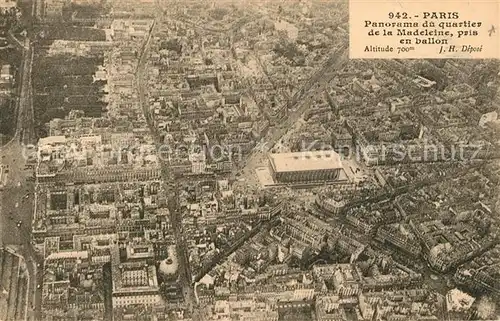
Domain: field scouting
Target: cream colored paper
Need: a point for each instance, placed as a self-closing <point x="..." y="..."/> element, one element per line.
<point x="424" y="29"/>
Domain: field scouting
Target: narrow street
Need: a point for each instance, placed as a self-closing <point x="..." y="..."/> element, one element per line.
<point x="175" y="215"/>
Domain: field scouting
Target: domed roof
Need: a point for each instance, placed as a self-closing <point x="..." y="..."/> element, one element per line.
<point x="170" y="265"/>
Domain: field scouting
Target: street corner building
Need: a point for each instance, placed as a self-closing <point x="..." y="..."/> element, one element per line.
<point x="304" y="167"/>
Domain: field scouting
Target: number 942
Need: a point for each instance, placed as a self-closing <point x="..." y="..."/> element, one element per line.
<point x="398" y="15"/>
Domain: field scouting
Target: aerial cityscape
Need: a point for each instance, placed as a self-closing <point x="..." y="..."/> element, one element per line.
<point x="225" y="160"/>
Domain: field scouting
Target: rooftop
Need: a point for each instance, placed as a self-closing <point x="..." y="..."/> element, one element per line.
<point x="132" y="276"/>
<point x="305" y="161"/>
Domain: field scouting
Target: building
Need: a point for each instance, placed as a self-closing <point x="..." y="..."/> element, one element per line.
<point x="52" y="9"/>
<point x="72" y="283"/>
<point x="6" y="73"/>
<point x="6" y="78"/>
<point x="333" y="205"/>
<point x="488" y="118"/>
<point x="133" y="282"/>
<point x="342" y="141"/>
<point x="309" y="166"/>
<point x="7" y="4"/>
<point x="423" y="82"/>
<point x="198" y="162"/>
<point x="458" y="304"/>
